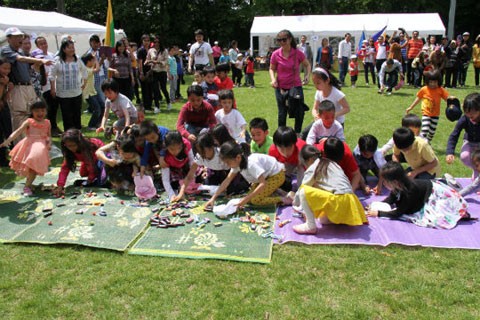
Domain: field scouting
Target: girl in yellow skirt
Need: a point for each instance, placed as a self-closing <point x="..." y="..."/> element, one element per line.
<point x="326" y="193"/>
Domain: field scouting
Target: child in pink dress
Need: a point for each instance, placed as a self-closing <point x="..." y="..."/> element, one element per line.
<point x="29" y="157"/>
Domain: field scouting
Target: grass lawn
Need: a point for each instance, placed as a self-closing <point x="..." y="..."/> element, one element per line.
<point x="302" y="282"/>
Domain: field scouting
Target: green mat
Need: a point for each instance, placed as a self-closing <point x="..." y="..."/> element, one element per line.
<point x="22" y="218"/>
<point x="233" y="240"/>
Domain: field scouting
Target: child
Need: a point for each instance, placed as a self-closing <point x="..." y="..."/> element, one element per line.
<point x="250" y="72"/>
<point x="224" y="58"/>
<point x="172" y="75"/>
<point x="418" y="154"/>
<point x="221" y="135"/>
<point x="411" y="121"/>
<point x="29" y="157"/>
<point x="353" y="69"/>
<point x="286" y="148"/>
<point x="5" y="117"/>
<point x="178" y="159"/>
<point x="475" y="161"/>
<point x="264" y="172"/>
<point x="196" y="115"/>
<point x="470" y="122"/>
<point x="214" y="170"/>
<point x="75" y="147"/>
<point x="261" y="141"/>
<point x="197" y="78"/>
<point x="92" y="97"/>
<point x="238" y="65"/>
<point x="430" y="96"/>
<point x="326" y="193"/>
<point x="427" y="203"/>
<point x="326" y="125"/>
<point x="154" y="148"/>
<point x="369" y="158"/>
<point x="222" y="80"/>
<point x="328" y="88"/>
<point x="120" y="105"/>
<point x="339" y="151"/>
<point x="209" y="87"/>
<point x="230" y="117"/>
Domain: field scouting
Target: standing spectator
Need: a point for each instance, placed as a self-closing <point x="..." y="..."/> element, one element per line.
<point x="438" y="60"/>
<point x="414" y="46"/>
<point x="382" y="50"/>
<point x="200" y="53"/>
<point x="344" y="52"/>
<point x="34" y="69"/>
<point x="121" y="66"/>
<point x="143" y="69"/>
<point x="172" y="73"/>
<point x="464" y="56"/>
<point x="238" y="66"/>
<point x="429" y="47"/>
<point x="67" y="79"/>
<point x="324" y="55"/>
<point x="476" y="59"/>
<point x="22" y="95"/>
<point x="101" y="75"/>
<point x="224" y="58"/>
<point x="304" y="46"/>
<point x="157" y="57"/>
<point x="180" y="72"/>
<point x="403" y="45"/>
<point x="233" y="54"/>
<point x="353" y="70"/>
<point x="250" y="72"/>
<point x="52" y="103"/>
<point x="216" y="52"/>
<point x="451" y="68"/>
<point x="369" y="55"/>
<point x="285" y="79"/>
<point x="132" y="50"/>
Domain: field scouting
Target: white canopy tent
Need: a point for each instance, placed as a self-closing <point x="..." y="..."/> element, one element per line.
<point x="52" y="26"/>
<point x="334" y="27"/>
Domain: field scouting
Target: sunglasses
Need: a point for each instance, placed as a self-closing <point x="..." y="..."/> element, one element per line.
<point x="282" y="39"/>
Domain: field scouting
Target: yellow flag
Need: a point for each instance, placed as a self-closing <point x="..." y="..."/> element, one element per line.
<point x="110" y="32"/>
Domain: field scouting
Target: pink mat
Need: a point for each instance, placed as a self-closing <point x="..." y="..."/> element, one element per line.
<point x="382" y="232"/>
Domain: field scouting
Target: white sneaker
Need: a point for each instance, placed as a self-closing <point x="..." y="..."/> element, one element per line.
<point x="156" y="110"/>
<point x="169" y="107"/>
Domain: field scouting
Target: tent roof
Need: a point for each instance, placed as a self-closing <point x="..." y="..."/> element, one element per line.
<point x="34" y="21"/>
<point x="425" y="23"/>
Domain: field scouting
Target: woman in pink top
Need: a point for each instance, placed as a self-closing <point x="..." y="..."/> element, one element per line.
<point x="285" y="78"/>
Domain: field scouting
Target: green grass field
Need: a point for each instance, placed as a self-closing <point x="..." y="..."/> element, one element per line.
<point x="302" y="282"/>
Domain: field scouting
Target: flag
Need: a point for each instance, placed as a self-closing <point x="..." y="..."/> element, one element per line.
<point x="360" y="43"/>
<point x="379" y="33"/>
<point x="110" y="30"/>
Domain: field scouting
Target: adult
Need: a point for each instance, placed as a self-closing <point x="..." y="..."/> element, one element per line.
<point x="403" y="36"/>
<point x="200" y="53"/>
<point x="67" y="79"/>
<point x="414" y="46"/>
<point x="438" y="60"/>
<point x="344" y="53"/>
<point x="52" y="102"/>
<point x="369" y="55"/>
<point x="143" y="70"/>
<point x="382" y="48"/>
<point x="285" y="79"/>
<point x="429" y="47"/>
<point x="388" y="75"/>
<point x="121" y="67"/>
<point x="23" y="94"/>
<point x="233" y="54"/>
<point x="216" y="52"/>
<point x="157" y="57"/>
<point x="464" y="56"/>
<point x="34" y="70"/>
<point x="304" y="46"/>
<point x="324" y="55"/>
<point x="101" y="75"/>
<point x="451" y="68"/>
<point x="476" y="59"/>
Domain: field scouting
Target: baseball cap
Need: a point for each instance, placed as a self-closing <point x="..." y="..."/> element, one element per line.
<point x="466" y="34"/>
<point x="353" y="56"/>
<point x="13" y="31"/>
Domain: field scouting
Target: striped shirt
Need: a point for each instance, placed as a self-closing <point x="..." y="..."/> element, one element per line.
<point x="68" y="77"/>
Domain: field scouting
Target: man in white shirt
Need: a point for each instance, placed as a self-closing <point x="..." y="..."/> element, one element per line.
<point x="307" y="51"/>
<point x="201" y="53"/>
<point x="344" y="52"/>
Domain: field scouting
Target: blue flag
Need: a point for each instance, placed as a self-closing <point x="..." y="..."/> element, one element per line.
<point x="360" y="42"/>
<point x="378" y="34"/>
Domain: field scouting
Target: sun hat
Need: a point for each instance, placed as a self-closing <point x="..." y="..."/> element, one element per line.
<point x="453" y="112"/>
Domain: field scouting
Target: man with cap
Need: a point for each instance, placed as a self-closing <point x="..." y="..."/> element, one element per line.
<point x="217" y="52"/>
<point x="464" y="56"/>
<point x="23" y="93"/>
<point x="200" y="53"/>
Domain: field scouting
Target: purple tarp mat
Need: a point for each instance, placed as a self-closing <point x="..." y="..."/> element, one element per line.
<point x="382" y="232"/>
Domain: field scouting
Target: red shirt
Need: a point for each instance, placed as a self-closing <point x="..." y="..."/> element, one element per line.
<point x="227" y="83"/>
<point x="293" y="159"/>
<point x="173" y="161"/>
<point x="348" y="163"/>
<point x="86" y="167"/>
<point x="203" y="117"/>
<point x="250" y="65"/>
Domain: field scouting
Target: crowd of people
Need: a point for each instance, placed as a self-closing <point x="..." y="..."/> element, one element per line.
<point x="310" y="167"/>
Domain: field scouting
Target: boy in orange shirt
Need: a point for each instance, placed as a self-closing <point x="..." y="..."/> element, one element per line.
<point x="430" y="96"/>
